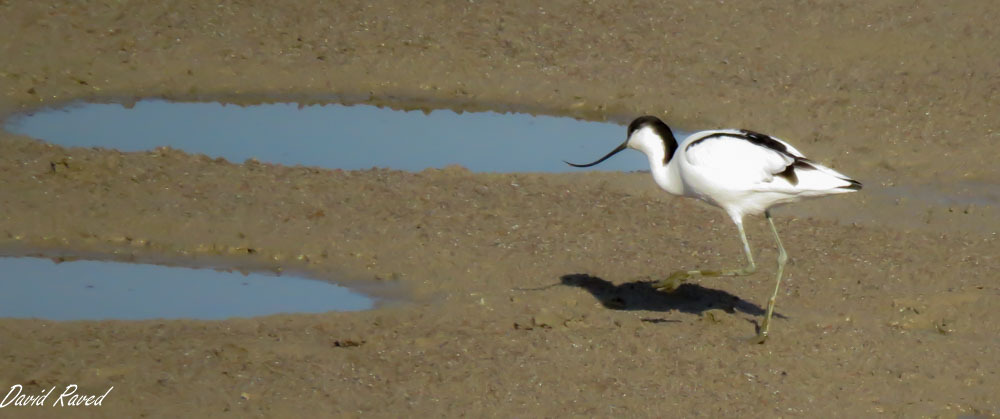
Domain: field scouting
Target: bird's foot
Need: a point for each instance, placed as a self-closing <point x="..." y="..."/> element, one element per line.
<point x="673" y="281"/>
<point x="761" y="332"/>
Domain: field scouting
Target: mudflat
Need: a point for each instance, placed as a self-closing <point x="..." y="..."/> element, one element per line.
<point x="525" y="294"/>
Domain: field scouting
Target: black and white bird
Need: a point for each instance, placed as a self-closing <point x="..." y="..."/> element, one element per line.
<point x="741" y="171"/>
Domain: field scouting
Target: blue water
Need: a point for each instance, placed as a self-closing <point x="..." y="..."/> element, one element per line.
<point x="337" y="136"/>
<point x="94" y="290"/>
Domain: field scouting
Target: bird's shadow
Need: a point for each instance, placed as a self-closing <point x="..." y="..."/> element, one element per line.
<point x="641" y="295"/>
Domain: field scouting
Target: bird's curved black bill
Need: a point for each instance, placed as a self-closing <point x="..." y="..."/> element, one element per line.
<point x="612" y="153"/>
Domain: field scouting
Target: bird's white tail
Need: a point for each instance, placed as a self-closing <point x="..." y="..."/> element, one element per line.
<point x="816" y="177"/>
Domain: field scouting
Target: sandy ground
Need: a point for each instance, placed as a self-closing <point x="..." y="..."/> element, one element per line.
<point x="527" y="295"/>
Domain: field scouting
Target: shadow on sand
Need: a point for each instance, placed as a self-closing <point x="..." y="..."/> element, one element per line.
<point x="641" y="295"/>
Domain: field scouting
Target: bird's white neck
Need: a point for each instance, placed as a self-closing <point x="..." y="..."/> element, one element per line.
<point x="666" y="175"/>
<point x="663" y="167"/>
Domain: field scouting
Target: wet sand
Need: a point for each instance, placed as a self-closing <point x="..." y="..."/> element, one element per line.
<point x="527" y="294"/>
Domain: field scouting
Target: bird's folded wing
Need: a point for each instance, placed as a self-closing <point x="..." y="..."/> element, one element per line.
<point x="735" y="154"/>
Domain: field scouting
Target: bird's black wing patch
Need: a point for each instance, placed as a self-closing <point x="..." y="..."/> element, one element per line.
<point x="753" y="137"/>
<point x="853" y="185"/>
<point x="768" y="142"/>
<point x="800" y="163"/>
<point x="765" y="141"/>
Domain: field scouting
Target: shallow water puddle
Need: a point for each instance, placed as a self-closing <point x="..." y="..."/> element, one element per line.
<point x="95" y="290"/>
<point x="960" y="193"/>
<point x="336" y="136"/>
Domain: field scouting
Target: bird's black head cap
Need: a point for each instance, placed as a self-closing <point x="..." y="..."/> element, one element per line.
<point x="660" y="128"/>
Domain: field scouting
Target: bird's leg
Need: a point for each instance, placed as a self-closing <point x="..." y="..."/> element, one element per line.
<point x="677" y="278"/>
<point x="782" y="258"/>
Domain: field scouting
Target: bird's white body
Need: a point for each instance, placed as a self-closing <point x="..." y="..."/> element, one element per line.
<point x="732" y="173"/>
<point x="743" y="172"/>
